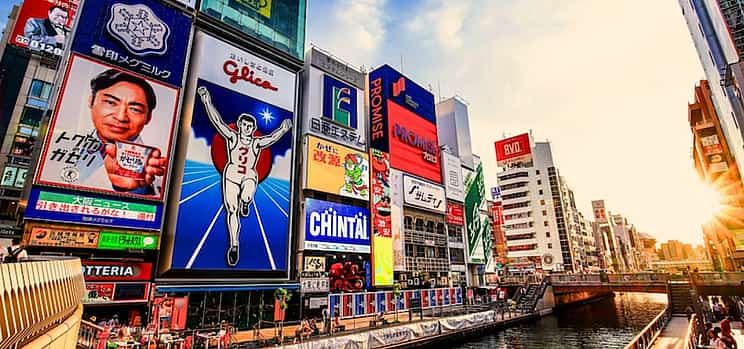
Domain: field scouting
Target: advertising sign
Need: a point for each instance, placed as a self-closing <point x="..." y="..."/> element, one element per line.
<point x="382" y="242"/>
<point x="9" y="176"/>
<point x="94" y="270"/>
<point x="716" y="163"/>
<point x="51" y="205"/>
<point x="396" y="220"/>
<point x="413" y="144"/>
<point x="336" y="169"/>
<point x="497" y="211"/>
<point x="63" y="237"/>
<point x="124" y="241"/>
<point x="111" y="132"/>
<point x="334" y="108"/>
<point x="315" y="264"/>
<point x="738" y="239"/>
<point x="424" y="195"/>
<point x="314" y="285"/>
<point x="513" y="149"/>
<point x="452" y="175"/>
<point x="598" y="206"/>
<point x="20" y="179"/>
<point x="116" y="292"/>
<point x="495" y="193"/>
<point x="455" y="214"/>
<point x="235" y="192"/>
<point x="43" y="25"/>
<point x="348" y="273"/>
<point x="331" y="226"/>
<point x="711" y="145"/>
<point x="474" y="194"/>
<point x="147" y="37"/>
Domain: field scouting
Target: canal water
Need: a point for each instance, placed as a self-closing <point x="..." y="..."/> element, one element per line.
<point x="606" y="323"/>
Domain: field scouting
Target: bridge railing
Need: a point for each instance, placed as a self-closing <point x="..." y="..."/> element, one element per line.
<point x="719" y="278"/>
<point x="692" y="333"/>
<point x="594" y="279"/>
<point x="649" y="333"/>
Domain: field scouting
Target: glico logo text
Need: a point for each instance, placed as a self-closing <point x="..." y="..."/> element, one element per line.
<point x="245" y="73"/>
<point x="428" y="146"/>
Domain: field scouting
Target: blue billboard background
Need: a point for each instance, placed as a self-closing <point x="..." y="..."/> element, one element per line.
<point x="335" y="243"/>
<point x="398" y="88"/>
<point x="201" y="236"/>
<point x="143" y="36"/>
<point x="77" y="218"/>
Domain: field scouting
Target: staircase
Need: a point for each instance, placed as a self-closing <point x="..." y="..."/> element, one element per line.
<point x="680" y="296"/>
<point x="533" y="294"/>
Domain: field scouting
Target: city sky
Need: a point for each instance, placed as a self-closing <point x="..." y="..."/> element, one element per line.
<point x="607" y="82"/>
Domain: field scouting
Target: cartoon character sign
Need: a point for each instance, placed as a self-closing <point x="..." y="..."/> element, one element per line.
<point x="381" y="193"/>
<point x="347" y="273"/>
<point x="355" y="166"/>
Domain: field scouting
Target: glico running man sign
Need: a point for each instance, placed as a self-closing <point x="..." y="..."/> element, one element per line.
<point x="233" y="212"/>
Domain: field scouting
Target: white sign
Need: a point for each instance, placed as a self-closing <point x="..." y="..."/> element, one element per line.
<point x="423" y="194"/>
<point x="9" y="176"/>
<point x="314" y="285"/>
<point x="313" y="263"/>
<point x="139" y="29"/>
<point x="453" y="177"/>
<point x="240" y="71"/>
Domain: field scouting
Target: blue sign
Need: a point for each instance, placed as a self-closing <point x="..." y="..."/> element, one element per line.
<point x="330" y="226"/>
<point x="385" y="83"/>
<point x="90" y="209"/>
<point x="144" y="36"/>
<point x="339" y="102"/>
<point x="359" y="308"/>
<point x="496" y="193"/>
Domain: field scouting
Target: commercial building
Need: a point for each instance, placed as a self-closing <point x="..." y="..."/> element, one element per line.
<point x="715" y="164"/>
<point x="541" y="223"/>
<point x="648" y="251"/>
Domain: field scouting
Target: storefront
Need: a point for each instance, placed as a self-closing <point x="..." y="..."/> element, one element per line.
<point x="117" y="288"/>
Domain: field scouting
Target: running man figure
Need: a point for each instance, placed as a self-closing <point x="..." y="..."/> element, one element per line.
<point x="239" y="178"/>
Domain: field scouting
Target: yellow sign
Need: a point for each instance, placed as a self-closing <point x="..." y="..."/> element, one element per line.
<point x="335" y="169"/>
<point x="383" y="260"/>
<point x="263" y="7"/>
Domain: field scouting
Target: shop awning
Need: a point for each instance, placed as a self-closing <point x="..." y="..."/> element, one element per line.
<point x="223" y="288"/>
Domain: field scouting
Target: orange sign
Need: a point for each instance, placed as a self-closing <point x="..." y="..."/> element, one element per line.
<point x="61" y="237"/>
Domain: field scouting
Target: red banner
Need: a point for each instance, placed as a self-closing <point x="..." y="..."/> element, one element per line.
<point x="116" y="271"/>
<point x="455" y="214"/>
<point x="44" y="25"/>
<point x="513" y="148"/>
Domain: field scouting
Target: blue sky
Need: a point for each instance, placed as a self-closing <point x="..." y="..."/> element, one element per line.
<point x="607" y="82"/>
<point x="5" y="7"/>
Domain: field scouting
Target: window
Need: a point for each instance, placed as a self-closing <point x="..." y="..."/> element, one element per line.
<point x="545" y="223"/>
<point x="550" y="245"/>
<point x="440" y="228"/>
<point x="419" y="224"/>
<point x="537" y="172"/>
<point x="539" y="182"/>
<point x="545" y="212"/>
<point x="542" y="202"/>
<point x="429" y="226"/>
<point x="408" y="222"/>
<point x="547" y="234"/>
<point x="40" y="89"/>
<point x="540" y="192"/>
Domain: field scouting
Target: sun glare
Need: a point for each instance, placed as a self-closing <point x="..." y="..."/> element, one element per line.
<point x="707" y="202"/>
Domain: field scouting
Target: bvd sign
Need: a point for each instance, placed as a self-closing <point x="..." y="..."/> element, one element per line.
<point x="424" y="194"/>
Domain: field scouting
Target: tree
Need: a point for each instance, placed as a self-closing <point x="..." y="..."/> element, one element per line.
<point x="396" y="294"/>
<point x="282" y="296"/>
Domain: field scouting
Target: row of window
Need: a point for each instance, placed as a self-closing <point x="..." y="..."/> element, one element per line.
<point x="524" y="225"/>
<point x="425" y="251"/>
<point x="421" y="224"/>
<point x="518" y="215"/>
<point x="515" y="195"/>
<point x="517" y="205"/>
<point x="514" y="186"/>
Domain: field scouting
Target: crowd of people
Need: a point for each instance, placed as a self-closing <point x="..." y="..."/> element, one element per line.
<point x="718" y="315"/>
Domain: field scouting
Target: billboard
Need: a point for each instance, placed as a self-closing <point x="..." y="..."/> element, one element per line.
<point x="112" y="132"/>
<point x="598" y="206"/>
<point x="95" y="270"/>
<point x="144" y="36"/>
<point x="348" y="272"/>
<point x="455" y="213"/>
<point x="413" y="144"/>
<point x="330" y="226"/>
<point x="423" y="194"/>
<point x="335" y="169"/>
<point x="513" y="149"/>
<point x="63" y="237"/>
<point x="58" y="206"/>
<point x="334" y="102"/>
<point x="396" y="220"/>
<point x="43" y="25"/>
<point x="476" y="227"/>
<point x="235" y="192"/>
<point x="382" y="241"/>
<point x="452" y="177"/>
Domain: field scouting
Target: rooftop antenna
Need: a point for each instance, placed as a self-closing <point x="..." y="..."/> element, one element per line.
<point x="439" y="90"/>
<point x="401" y="62"/>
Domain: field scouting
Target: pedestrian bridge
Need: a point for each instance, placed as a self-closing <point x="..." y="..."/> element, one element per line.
<point x="707" y="283"/>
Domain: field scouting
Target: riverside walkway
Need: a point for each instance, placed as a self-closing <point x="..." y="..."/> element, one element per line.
<point x="673" y="335"/>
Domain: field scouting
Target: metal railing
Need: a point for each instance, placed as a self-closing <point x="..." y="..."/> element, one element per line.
<point x="692" y="333"/>
<point x="649" y="333"/>
<point x="90" y="336"/>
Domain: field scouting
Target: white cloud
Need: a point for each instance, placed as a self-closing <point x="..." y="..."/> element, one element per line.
<point x="445" y="18"/>
<point x="351" y="30"/>
<point x="282" y="167"/>
<point x="199" y="150"/>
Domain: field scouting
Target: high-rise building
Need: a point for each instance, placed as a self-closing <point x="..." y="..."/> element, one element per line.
<point x="715" y="164"/>
<point x="541" y="224"/>
<point x="648" y="251"/>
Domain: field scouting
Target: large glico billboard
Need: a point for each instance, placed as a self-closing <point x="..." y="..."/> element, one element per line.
<point x="513" y="149"/>
<point x="476" y="225"/>
<point x="382" y="236"/>
<point x="403" y="123"/>
<point x="336" y="227"/>
<point x="334" y="101"/>
<point x="336" y="169"/>
<point x="235" y="192"/>
<point x="43" y="26"/>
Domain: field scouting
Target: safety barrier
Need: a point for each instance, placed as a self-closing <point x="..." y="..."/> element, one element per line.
<point x="349" y="305"/>
<point x="649" y="333"/>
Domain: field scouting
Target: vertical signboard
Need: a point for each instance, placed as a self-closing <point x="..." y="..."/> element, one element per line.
<point x="336" y="169"/>
<point x="474" y="194"/>
<point x="334" y="103"/>
<point x="513" y="149"/>
<point x="382" y="240"/>
<point x="396" y="218"/>
<point x="233" y="212"/>
<point x="452" y="175"/>
<point x="43" y="26"/>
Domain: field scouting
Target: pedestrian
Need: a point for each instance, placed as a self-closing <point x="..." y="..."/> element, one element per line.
<point x="716" y="310"/>
<point x="715" y="340"/>
<point x="689" y="311"/>
<point x="704" y="339"/>
<point x="13" y="252"/>
<point x="726" y="335"/>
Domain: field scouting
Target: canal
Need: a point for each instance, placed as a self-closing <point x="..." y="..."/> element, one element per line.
<point x="606" y="323"/>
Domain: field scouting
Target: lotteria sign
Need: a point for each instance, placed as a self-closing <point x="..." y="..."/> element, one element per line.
<point x="116" y="271"/>
<point x="330" y="226"/>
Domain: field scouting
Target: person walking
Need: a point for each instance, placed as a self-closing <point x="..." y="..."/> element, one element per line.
<point x="13" y="252"/>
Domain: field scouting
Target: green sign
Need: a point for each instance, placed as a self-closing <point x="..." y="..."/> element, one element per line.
<point x="475" y="191"/>
<point x="123" y="241"/>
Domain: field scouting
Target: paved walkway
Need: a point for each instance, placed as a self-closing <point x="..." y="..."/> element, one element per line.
<point x="673" y="335"/>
